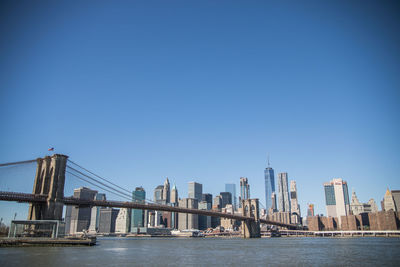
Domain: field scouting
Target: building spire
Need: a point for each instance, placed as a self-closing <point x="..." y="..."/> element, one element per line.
<point x="268" y="161"/>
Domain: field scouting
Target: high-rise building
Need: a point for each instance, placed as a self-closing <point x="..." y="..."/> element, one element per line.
<point x="244" y="189"/>
<point x="357" y="207"/>
<point x="283" y="192"/>
<point x="188" y="221"/>
<point x="294" y="204"/>
<point x="158" y="194"/>
<point x="174" y="195"/>
<point x="204" y="221"/>
<point x="310" y="210"/>
<point x="273" y="208"/>
<point x="80" y="216"/>
<point x="217" y="205"/>
<point x="388" y="201"/>
<point x="138" y="217"/>
<point x="269" y="186"/>
<point x="231" y="188"/>
<point x="123" y="221"/>
<point x="95" y="214"/>
<point x="166" y="191"/>
<point x="226" y="198"/>
<point x="195" y="191"/>
<point x="337" y="198"/>
<point x="207" y="198"/>
<point x="108" y="217"/>
<point x="396" y="198"/>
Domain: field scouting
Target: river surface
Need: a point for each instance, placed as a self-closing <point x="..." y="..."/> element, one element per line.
<point x="302" y="251"/>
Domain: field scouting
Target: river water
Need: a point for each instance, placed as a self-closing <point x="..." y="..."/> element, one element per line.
<point x="302" y="251"/>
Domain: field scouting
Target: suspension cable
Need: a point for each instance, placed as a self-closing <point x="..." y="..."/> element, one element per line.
<point x="99" y="176"/>
<point x="99" y="182"/>
<point x="17" y="162"/>
<point x="123" y="196"/>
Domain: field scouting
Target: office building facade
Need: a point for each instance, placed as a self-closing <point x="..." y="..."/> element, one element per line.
<point x="283" y="192"/>
<point x="269" y="187"/>
<point x="195" y="190"/>
<point x="231" y="188"/>
<point x="337" y="198"/>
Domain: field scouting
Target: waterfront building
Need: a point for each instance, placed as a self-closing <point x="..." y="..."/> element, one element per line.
<point x="280" y="216"/>
<point x="226" y="198"/>
<point x="217" y="203"/>
<point x="79" y="216"/>
<point x="122" y="223"/>
<point x="337" y="198"/>
<point x="388" y="201"/>
<point x="204" y="221"/>
<point x="108" y="217"/>
<point x="174" y="195"/>
<point x="231" y="188"/>
<point x="185" y="220"/>
<point x="310" y="210"/>
<point x="294" y="204"/>
<point x="138" y="217"/>
<point x="244" y="190"/>
<point x="283" y="192"/>
<point x="195" y="191"/>
<point x="396" y="198"/>
<point x="166" y="191"/>
<point x="269" y="187"/>
<point x="158" y="194"/>
<point x="357" y="207"/>
<point x="95" y="214"/>
<point x="207" y="198"/>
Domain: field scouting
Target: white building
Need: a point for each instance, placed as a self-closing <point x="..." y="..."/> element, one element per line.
<point x="122" y="224"/>
<point x="337" y="198"/>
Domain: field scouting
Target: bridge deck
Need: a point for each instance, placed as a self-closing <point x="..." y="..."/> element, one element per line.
<point x="32" y="198"/>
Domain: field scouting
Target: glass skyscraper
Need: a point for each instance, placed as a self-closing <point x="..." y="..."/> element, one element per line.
<point x="139" y="195"/>
<point x="231" y="188"/>
<point x="269" y="187"/>
<point x="195" y="190"/>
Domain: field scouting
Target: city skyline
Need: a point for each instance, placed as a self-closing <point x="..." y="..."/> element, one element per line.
<point x="203" y="91"/>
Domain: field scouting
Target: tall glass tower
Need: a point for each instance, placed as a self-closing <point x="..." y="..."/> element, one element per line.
<point x="231" y="188"/>
<point x="269" y="187"/>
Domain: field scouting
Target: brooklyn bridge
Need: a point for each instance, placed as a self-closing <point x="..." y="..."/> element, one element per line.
<point x="47" y="199"/>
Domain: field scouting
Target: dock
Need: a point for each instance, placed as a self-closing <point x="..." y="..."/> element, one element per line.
<point x="25" y="242"/>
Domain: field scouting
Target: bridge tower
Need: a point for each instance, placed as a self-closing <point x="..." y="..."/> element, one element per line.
<point x="251" y="227"/>
<point x="49" y="180"/>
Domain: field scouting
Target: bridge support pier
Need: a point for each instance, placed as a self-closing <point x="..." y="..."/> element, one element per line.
<point x="49" y="180"/>
<point x="251" y="227"/>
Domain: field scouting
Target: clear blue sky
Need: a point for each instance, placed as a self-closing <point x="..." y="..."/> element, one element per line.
<point x="204" y="90"/>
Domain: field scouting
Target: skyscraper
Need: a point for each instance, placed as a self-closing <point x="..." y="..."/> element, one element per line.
<point x="158" y="194"/>
<point x="138" y="218"/>
<point x="95" y="214"/>
<point x="188" y="221"/>
<point x="174" y="195"/>
<point x="337" y="198"/>
<point x="269" y="186"/>
<point x="226" y="198"/>
<point x="244" y="188"/>
<point x="195" y="191"/>
<point x="80" y="216"/>
<point x="388" y="201"/>
<point x="294" y="204"/>
<point x="231" y="188"/>
<point x="283" y="192"/>
<point x="166" y="191"/>
<point x="207" y="198"/>
<point x="310" y="210"/>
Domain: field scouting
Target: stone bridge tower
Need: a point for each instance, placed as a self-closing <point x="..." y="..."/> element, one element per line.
<point x="49" y="180"/>
<point x="251" y="228"/>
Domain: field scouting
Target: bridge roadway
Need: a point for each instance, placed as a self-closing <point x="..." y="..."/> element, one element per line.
<point x="34" y="198"/>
